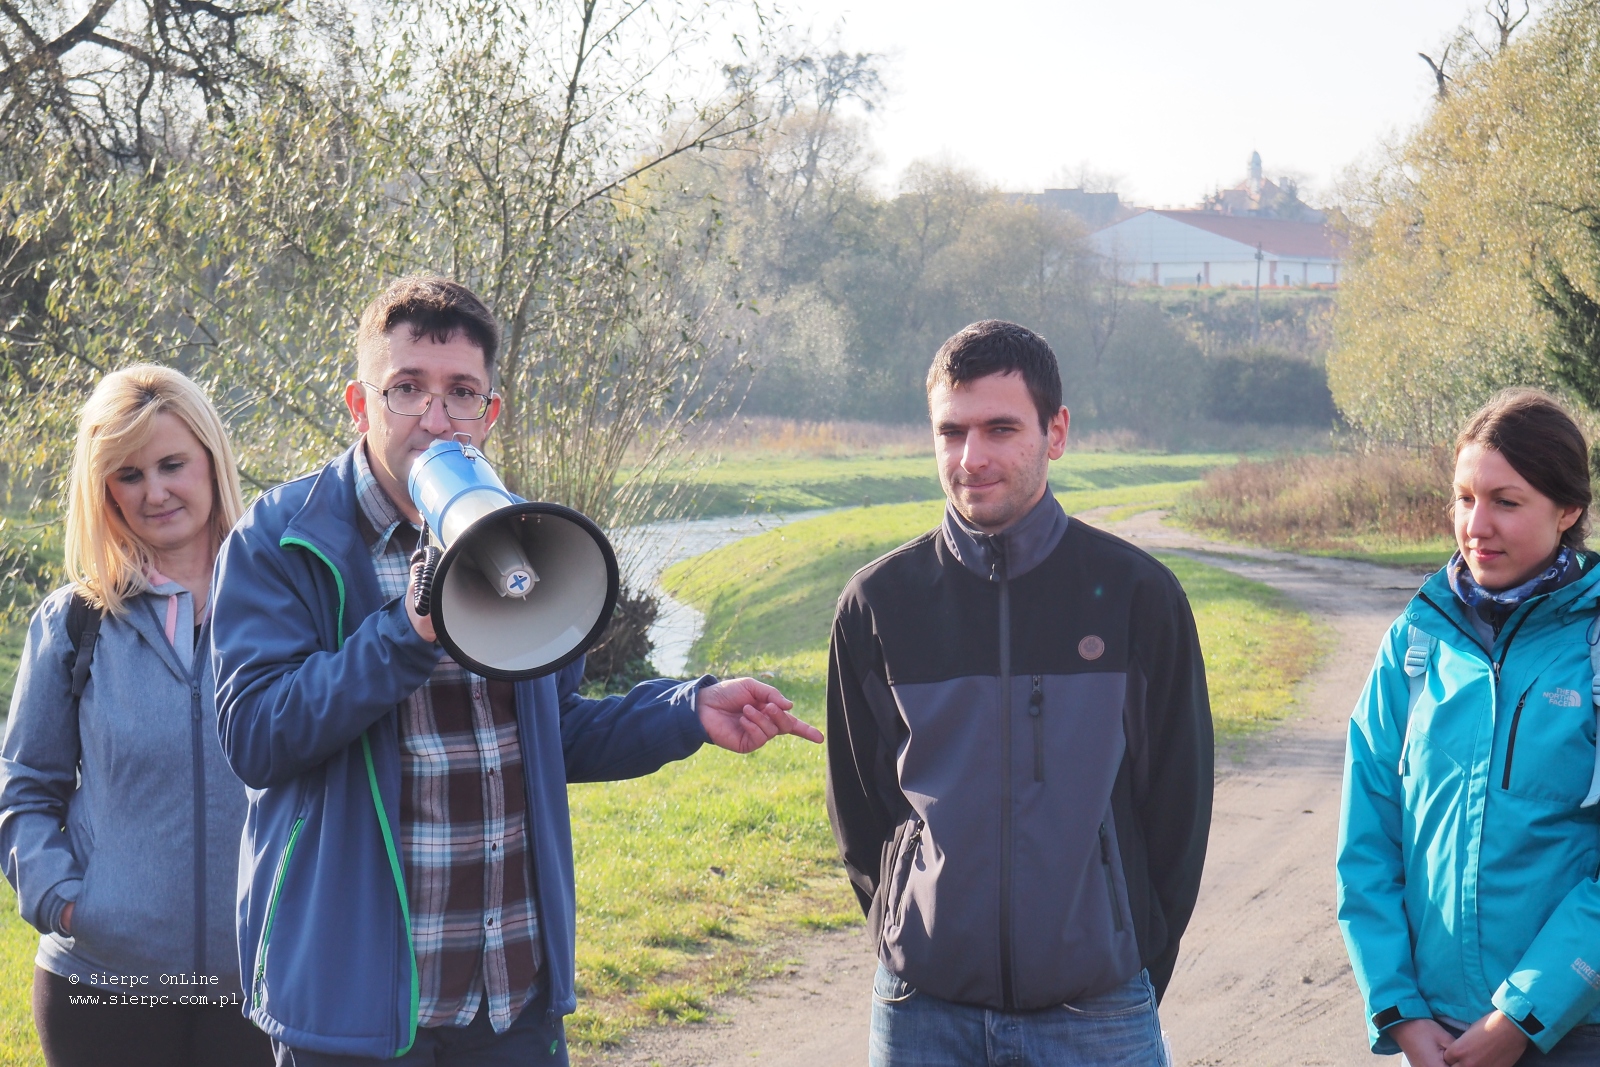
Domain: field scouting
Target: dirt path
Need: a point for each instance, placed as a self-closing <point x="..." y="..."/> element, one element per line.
<point x="1263" y="978"/>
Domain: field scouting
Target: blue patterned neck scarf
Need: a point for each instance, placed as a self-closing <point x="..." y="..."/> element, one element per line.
<point x="1494" y="608"/>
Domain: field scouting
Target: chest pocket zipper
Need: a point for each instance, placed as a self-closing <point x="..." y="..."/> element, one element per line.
<point x="1511" y="741"/>
<point x="1036" y="713"/>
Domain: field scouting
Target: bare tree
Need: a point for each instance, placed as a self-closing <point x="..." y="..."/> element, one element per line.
<point x="106" y="82"/>
<point x="1438" y="68"/>
<point x="1500" y="13"/>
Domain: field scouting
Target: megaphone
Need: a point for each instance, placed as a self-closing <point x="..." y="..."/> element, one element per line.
<point x="516" y="589"/>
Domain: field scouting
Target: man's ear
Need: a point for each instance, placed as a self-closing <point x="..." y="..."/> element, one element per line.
<point x="492" y="414"/>
<point x="1056" y="431"/>
<point x="355" y="398"/>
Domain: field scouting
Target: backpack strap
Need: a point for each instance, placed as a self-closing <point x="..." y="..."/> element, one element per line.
<point x="1419" y="650"/>
<point x="1594" y="664"/>
<point x="83" y="630"/>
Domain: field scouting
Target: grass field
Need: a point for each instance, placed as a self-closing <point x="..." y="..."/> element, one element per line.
<point x="784" y="482"/>
<point x="19" y="1046"/>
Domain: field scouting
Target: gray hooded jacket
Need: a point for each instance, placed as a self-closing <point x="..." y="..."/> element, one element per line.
<point x="151" y="810"/>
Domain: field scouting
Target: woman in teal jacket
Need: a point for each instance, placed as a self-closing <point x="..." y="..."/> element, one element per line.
<point x="1470" y="837"/>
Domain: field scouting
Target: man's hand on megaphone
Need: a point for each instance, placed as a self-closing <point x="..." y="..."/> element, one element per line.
<point x="743" y="714"/>
<point x="423" y="624"/>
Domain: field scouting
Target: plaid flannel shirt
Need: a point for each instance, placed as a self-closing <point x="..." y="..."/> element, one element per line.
<point x="463" y="831"/>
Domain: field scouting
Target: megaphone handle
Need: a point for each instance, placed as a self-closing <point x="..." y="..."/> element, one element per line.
<point x="422" y="598"/>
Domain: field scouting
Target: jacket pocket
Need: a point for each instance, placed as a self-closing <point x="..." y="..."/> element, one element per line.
<point x="257" y="986"/>
<point x="1549" y="747"/>
<point x="1111" y="881"/>
<point x="902" y="875"/>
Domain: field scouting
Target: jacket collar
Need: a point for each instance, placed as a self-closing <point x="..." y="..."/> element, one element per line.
<point x="329" y="522"/>
<point x="1020" y="547"/>
<point x="145" y="613"/>
<point x="1579" y="596"/>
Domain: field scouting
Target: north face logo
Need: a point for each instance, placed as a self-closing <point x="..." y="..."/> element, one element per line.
<point x="1564" y="698"/>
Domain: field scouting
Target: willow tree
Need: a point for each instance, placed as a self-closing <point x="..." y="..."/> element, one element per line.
<point x="1441" y="302"/>
<point x="500" y="143"/>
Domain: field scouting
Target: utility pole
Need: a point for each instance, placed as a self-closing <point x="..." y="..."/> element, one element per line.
<point x="1259" y="258"/>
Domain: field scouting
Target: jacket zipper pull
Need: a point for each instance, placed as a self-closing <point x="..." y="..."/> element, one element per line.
<point x="1036" y="712"/>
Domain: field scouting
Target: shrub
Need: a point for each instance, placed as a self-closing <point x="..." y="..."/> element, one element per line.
<point x="621" y="658"/>
<point x="1324" y="501"/>
<point x="1270" y="388"/>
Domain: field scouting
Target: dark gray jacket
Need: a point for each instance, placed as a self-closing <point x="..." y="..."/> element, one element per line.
<point x="151" y="810"/>
<point x="1020" y="760"/>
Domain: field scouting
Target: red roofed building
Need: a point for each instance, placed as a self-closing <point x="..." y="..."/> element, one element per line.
<point x="1208" y="248"/>
<point x="1257" y="233"/>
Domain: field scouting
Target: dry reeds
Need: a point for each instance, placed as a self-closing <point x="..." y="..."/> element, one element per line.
<point x="1326" y="501"/>
<point x="841" y="437"/>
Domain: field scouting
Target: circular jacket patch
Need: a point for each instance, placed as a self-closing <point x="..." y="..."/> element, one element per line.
<point x="1091" y="647"/>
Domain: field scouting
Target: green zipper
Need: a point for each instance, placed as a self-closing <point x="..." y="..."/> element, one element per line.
<point x="377" y="804"/>
<point x="400" y="884"/>
<point x="272" y="908"/>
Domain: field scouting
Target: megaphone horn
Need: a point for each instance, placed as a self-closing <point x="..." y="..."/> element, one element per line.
<point x="515" y="588"/>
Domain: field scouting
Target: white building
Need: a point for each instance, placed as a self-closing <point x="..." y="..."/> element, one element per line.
<point x="1209" y="248"/>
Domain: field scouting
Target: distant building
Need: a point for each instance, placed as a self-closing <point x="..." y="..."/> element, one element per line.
<point x="1210" y="248"/>
<point x="1258" y="232"/>
<point x="1257" y="197"/>
<point x="1093" y="209"/>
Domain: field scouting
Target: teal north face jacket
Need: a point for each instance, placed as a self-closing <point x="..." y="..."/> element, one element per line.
<point x="1466" y="863"/>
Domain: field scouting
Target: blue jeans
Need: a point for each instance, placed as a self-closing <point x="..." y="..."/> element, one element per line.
<point x="527" y="1042"/>
<point x="1117" y="1028"/>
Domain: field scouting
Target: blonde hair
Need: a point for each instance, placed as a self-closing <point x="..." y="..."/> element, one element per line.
<point x="105" y="560"/>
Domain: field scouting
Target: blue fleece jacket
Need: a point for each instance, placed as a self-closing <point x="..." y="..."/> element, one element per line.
<point x="311" y="664"/>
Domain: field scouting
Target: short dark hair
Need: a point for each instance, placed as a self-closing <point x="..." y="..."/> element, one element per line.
<point x="1543" y="444"/>
<point x="995" y="346"/>
<point x="434" y="307"/>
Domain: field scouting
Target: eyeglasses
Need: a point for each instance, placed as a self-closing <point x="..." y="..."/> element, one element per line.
<point x="460" y="403"/>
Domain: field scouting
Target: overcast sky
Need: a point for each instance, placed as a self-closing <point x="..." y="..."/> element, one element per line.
<point x="1170" y="95"/>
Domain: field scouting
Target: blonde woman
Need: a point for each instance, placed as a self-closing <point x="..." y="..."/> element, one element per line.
<point x="119" y="818"/>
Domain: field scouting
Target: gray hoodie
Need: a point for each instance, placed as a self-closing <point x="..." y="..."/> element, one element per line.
<point x="152" y="812"/>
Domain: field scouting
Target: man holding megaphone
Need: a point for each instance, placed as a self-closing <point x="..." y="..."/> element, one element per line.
<point x="408" y="720"/>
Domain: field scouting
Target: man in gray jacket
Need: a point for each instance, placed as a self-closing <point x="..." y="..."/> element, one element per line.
<point x="1020" y="749"/>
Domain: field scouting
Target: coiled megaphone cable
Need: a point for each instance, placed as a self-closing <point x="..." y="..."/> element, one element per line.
<point x="429" y="556"/>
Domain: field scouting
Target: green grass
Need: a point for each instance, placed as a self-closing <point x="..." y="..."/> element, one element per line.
<point x="19" y="1045"/>
<point x="11" y="639"/>
<point x="780" y="482"/>
<point x="685" y="878"/>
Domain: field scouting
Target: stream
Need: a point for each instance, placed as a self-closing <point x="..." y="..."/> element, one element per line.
<point x="645" y="552"/>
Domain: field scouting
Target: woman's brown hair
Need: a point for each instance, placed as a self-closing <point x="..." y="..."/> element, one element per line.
<point x="1541" y="442"/>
